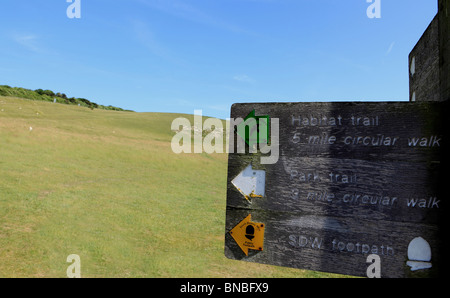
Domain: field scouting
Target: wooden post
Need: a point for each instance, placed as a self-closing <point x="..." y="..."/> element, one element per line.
<point x="444" y="48"/>
<point x="429" y="61"/>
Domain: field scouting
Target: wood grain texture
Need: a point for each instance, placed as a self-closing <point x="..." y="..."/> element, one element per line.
<point x="333" y="183"/>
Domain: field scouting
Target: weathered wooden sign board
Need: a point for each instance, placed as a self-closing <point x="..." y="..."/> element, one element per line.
<point x="352" y="180"/>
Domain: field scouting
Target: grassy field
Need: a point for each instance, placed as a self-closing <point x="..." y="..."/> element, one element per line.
<point x="105" y="185"/>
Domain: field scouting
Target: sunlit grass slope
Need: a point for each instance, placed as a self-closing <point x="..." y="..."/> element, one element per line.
<point x="105" y="185"/>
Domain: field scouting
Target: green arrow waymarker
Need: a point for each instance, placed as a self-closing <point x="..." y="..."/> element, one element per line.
<point x="254" y="132"/>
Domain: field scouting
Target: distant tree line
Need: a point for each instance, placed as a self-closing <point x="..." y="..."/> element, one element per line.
<point x="49" y="95"/>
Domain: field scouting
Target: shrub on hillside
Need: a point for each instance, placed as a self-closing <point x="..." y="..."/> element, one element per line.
<point x="49" y="95"/>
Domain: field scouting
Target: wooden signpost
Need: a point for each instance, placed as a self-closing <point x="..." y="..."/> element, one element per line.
<point x="358" y="189"/>
<point x="352" y="188"/>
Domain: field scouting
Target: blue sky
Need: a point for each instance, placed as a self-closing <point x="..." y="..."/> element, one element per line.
<point x="182" y="55"/>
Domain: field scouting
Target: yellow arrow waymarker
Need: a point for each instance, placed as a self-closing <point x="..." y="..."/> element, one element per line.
<point x="248" y="235"/>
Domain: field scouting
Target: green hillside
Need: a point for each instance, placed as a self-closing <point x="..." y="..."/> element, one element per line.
<point x="49" y="95"/>
<point x="105" y="185"/>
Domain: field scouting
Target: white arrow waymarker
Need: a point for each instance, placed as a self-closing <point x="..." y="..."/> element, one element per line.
<point x="250" y="183"/>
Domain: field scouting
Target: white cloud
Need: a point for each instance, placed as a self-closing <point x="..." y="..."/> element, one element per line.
<point x="29" y="41"/>
<point x="189" y="12"/>
<point x="390" y="48"/>
<point x="147" y="38"/>
<point x="243" y="78"/>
